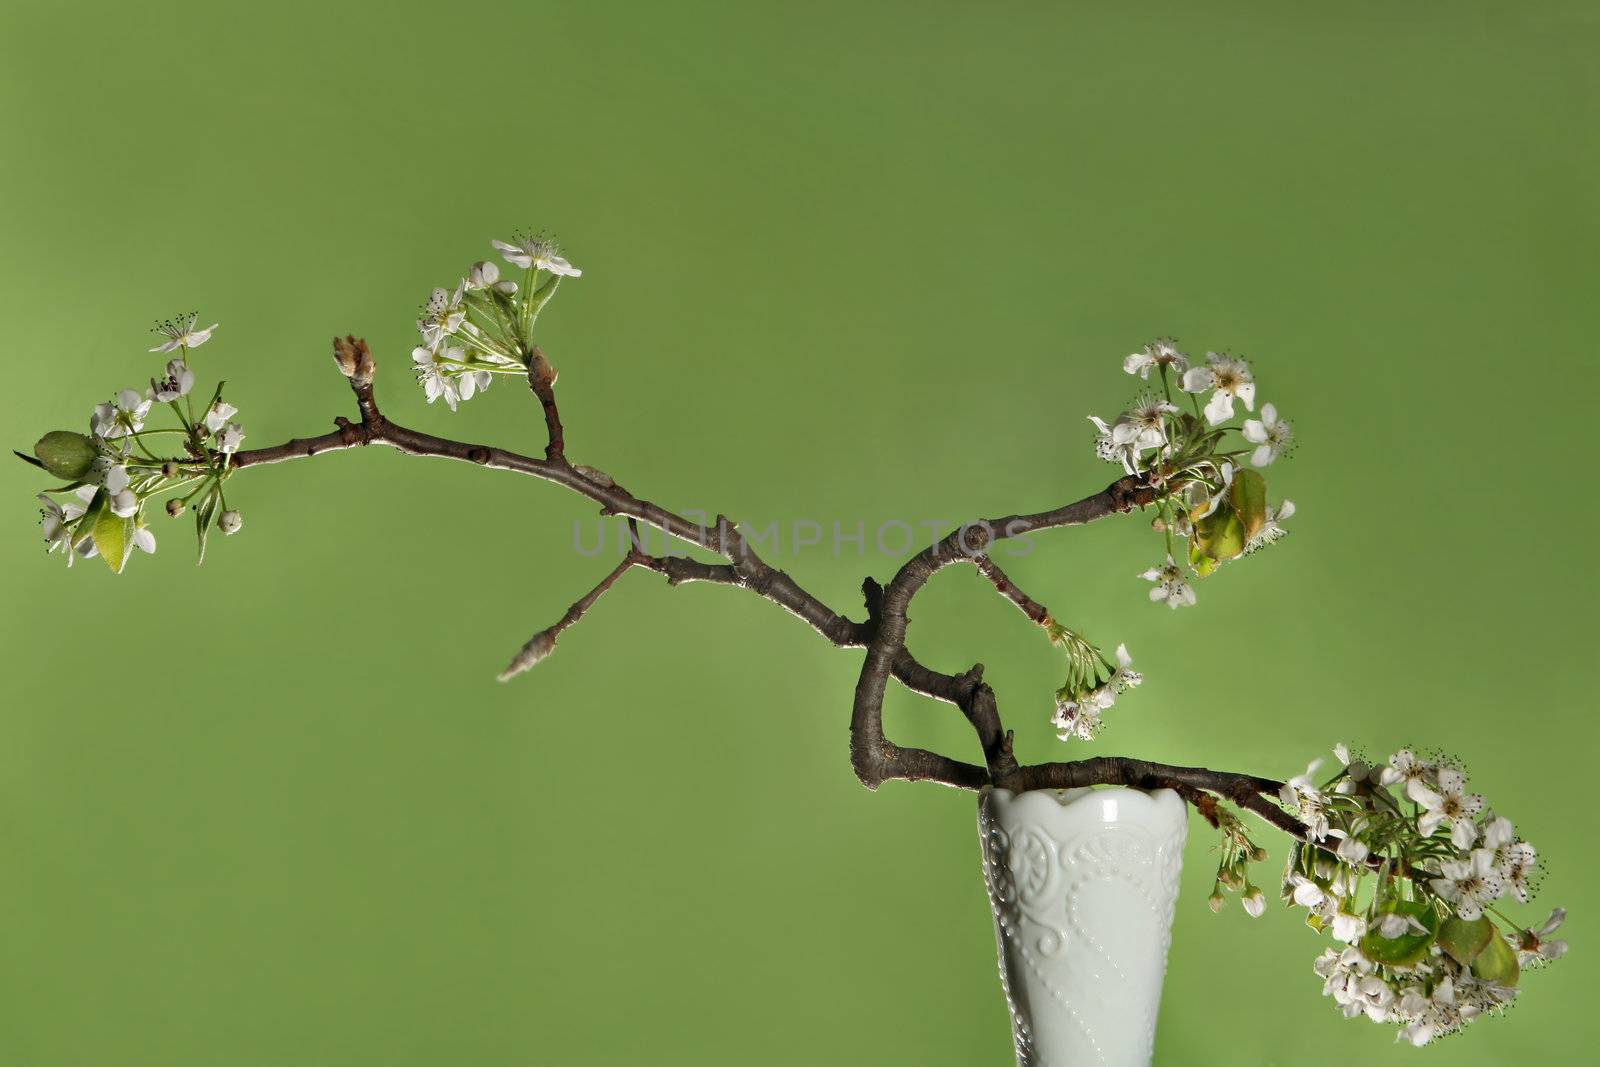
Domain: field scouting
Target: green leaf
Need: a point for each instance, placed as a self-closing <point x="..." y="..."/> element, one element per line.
<point x="113" y="536"/>
<point x="1203" y="564"/>
<point x="65" y="454"/>
<point x="29" y="459"/>
<point x="1497" y="962"/>
<point x="1408" y="948"/>
<point x="1220" y="535"/>
<point x="1464" y="940"/>
<point x="1248" y="494"/>
<point x="203" y="513"/>
<point x="540" y="298"/>
<point x="91" y="514"/>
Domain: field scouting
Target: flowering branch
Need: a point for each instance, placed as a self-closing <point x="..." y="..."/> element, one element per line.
<point x="1422" y="950"/>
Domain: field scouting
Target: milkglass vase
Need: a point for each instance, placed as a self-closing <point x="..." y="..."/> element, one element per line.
<point x="1082" y="883"/>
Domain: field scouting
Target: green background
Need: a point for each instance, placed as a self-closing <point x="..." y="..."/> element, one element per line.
<point x="842" y="262"/>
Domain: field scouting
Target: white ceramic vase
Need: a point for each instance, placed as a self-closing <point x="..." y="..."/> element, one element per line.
<point x="1082" y="883"/>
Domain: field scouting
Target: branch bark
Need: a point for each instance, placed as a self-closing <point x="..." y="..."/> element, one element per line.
<point x="883" y="634"/>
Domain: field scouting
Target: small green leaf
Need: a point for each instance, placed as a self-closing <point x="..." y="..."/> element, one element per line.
<point x="540" y="298"/>
<point x="65" y="454"/>
<point x="203" y="513"/>
<point x="1248" y="495"/>
<point x="113" y="536"/>
<point x="1464" y="940"/>
<point x="1220" y="535"/>
<point x="29" y="459"/>
<point x="1203" y="564"/>
<point x="1409" y="947"/>
<point x="1497" y="962"/>
<point x="91" y="514"/>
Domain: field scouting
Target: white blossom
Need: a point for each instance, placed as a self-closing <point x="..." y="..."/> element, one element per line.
<point x="1516" y="867"/>
<point x="180" y="333"/>
<point x="1159" y="353"/>
<point x="1270" y="434"/>
<point x="1348" y="928"/>
<point x="1469" y="883"/>
<point x="1352" y="850"/>
<point x="1399" y="924"/>
<point x="1307" y="893"/>
<point x="483" y="275"/>
<point x="539" y="252"/>
<point x="1170" y="588"/>
<point x="229" y="522"/>
<point x="218" y="414"/>
<point x="1535" y="946"/>
<point x="441" y="376"/>
<point x="442" y="315"/>
<point x="1228" y="378"/>
<point x="1134" y="432"/>
<point x="177" y="383"/>
<point x="229" y="438"/>
<point x="121" y="416"/>
<point x="1451" y="805"/>
<point x="1272" y="529"/>
<point x="144" y="539"/>
<point x="1404" y="768"/>
<point x="1302" y="794"/>
<point x="54" y="518"/>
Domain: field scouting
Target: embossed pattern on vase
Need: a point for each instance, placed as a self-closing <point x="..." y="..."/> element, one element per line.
<point x="1083" y="887"/>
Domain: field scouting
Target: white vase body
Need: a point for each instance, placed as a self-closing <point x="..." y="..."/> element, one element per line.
<point x="1082" y="883"/>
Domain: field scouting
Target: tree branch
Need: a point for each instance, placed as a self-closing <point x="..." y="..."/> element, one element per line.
<point x="883" y="634"/>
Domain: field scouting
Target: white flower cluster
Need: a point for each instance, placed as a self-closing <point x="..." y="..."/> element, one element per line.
<point x="114" y="469"/>
<point x="1408" y="870"/>
<point x="484" y="326"/>
<point x="1206" y="497"/>
<point x="1093" y="683"/>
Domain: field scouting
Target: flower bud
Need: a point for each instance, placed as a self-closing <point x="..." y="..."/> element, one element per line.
<point x="229" y="522"/>
<point x="1258" y="854"/>
<point x="66" y="454"/>
<point x="353" y="357"/>
<point x="1216" y="899"/>
<point x="484" y="273"/>
<point x="538" y="647"/>
<point x="169" y="470"/>
<point x="176" y="507"/>
<point x="1254" y="901"/>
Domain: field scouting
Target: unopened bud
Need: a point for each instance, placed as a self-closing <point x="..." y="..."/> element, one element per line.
<point x="176" y="507"/>
<point x="483" y="274"/>
<point x="1254" y="901"/>
<point x="229" y="522"/>
<point x="169" y="470"/>
<point x="353" y="357"/>
<point x="538" y="647"/>
<point x="1258" y="854"/>
<point x="1216" y="899"/>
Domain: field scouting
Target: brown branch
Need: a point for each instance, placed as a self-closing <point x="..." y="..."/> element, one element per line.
<point x="883" y="634"/>
<point x="543" y="643"/>
<point x="542" y="380"/>
<point x="1034" y="610"/>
